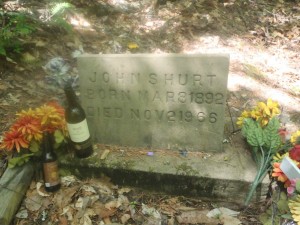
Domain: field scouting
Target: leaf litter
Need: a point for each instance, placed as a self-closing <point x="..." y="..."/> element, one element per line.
<point x="98" y="201"/>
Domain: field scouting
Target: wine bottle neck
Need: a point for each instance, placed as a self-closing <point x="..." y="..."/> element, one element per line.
<point x="47" y="144"/>
<point x="71" y="97"/>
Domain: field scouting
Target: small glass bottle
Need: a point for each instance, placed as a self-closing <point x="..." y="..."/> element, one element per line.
<point x="50" y="164"/>
<point x="77" y="125"/>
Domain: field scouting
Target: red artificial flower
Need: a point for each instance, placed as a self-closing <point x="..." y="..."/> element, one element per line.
<point x="294" y="153"/>
<point x="283" y="133"/>
<point x="30" y="127"/>
<point x="14" y="139"/>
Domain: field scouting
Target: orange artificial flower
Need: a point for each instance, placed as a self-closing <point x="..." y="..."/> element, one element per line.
<point x="14" y="139"/>
<point x="277" y="173"/>
<point x="30" y="127"/>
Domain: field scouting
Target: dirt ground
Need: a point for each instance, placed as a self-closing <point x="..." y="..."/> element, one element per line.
<point x="262" y="38"/>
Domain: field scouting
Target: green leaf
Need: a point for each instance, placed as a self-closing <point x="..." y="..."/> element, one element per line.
<point x="298" y="186"/>
<point x="282" y="204"/>
<point x="253" y="132"/>
<point x="2" y="50"/>
<point x="287" y="216"/>
<point x="271" y="136"/>
<point x="58" y="137"/>
<point x="19" y="161"/>
<point x="60" y="7"/>
<point x="283" y="196"/>
<point x="34" y="146"/>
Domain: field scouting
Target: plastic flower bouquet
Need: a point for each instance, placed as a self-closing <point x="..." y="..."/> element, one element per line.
<point x="291" y="185"/>
<point x="260" y="126"/>
<point x="22" y="141"/>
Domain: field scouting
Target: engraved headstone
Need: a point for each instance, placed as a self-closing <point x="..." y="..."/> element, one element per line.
<point x="172" y="101"/>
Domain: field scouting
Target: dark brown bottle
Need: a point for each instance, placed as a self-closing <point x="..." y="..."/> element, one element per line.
<point x="77" y="125"/>
<point x="50" y="164"/>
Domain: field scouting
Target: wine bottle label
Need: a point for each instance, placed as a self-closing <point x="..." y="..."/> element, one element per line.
<point x="79" y="132"/>
<point x="51" y="176"/>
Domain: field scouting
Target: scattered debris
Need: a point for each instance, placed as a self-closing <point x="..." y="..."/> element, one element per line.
<point x="150" y="153"/>
<point x="104" y="154"/>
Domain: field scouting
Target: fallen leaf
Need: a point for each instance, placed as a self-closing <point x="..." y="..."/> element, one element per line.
<point x="68" y="211"/>
<point x="150" y="211"/>
<point x="63" y="198"/>
<point x="113" y="204"/>
<point x="33" y="203"/>
<point x="124" y="190"/>
<point x="132" y="45"/>
<point x="215" y="213"/>
<point x="125" y="218"/>
<point x="88" y="190"/>
<point x="13" y="98"/>
<point x="100" y="210"/>
<point x="22" y="214"/>
<point x="195" y="217"/>
<point x="104" y="154"/>
<point x="229" y="220"/>
<point x="40" y="43"/>
<point x="28" y="58"/>
<point x="107" y="220"/>
<point x="63" y="220"/>
<point x="38" y="189"/>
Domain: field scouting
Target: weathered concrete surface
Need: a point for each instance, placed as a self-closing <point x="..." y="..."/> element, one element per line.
<point x="223" y="176"/>
<point x="169" y="101"/>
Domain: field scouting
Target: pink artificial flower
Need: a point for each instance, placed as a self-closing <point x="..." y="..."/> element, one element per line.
<point x="291" y="189"/>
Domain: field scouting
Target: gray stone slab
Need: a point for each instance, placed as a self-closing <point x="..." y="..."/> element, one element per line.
<point x="171" y="101"/>
<point x="224" y="177"/>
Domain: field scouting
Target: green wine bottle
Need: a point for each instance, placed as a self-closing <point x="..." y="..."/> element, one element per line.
<point x="77" y="125"/>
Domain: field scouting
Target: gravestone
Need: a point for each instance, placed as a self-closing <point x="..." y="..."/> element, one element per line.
<point x="170" y="101"/>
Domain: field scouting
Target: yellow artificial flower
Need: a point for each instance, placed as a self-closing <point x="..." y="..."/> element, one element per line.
<point x="48" y="114"/>
<point x="245" y="114"/>
<point x="52" y="117"/>
<point x="263" y="109"/>
<point x="254" y="114"/>
<point x="295" y="137"/>
<point x="273" y="107"/>
<point x="294" y="205"/>
<point x="30" y="112"/>
<point x="278" y="157"/>
<point x="264" y="112"/>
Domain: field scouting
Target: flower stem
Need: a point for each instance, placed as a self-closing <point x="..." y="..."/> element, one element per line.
<point x="262" y="171"/>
